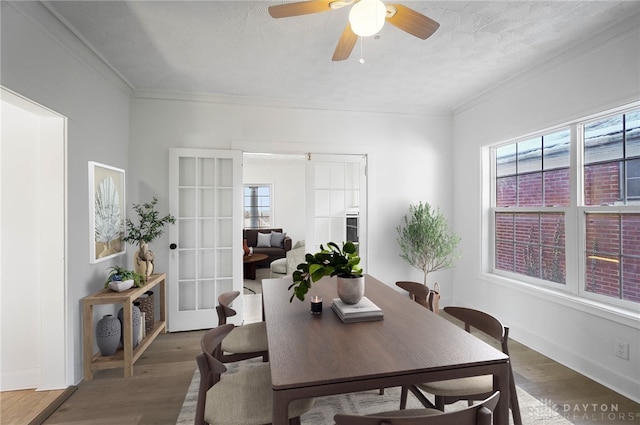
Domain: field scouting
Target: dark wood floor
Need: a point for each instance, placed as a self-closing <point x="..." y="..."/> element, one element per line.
<point x="555" y="384"/>
<point x="155" y="393"/>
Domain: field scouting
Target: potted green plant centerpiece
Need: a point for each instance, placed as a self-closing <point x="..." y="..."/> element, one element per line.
<point x="121" y="279"/>
<point x="148" y="229"/>
<point x="426" y="241"/>
<point x="332" y="261"/>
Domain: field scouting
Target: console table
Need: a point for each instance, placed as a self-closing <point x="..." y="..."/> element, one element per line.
<point x="126" y="356"/>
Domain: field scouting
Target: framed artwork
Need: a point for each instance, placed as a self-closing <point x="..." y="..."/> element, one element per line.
<point x="106" y="212"/>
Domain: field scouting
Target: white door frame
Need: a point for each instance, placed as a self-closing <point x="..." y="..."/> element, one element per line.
<point x="52" y="338"/>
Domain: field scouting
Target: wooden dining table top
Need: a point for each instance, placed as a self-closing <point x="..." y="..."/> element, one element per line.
<point x="307" y="350"/>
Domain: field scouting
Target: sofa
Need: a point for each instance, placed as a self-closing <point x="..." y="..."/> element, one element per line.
<point x="273" y="242"/>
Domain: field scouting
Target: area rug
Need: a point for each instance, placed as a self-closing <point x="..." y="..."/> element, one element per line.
<point x="533" y="411"/>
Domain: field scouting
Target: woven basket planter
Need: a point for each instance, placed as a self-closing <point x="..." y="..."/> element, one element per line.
<point x="146" y="306"/>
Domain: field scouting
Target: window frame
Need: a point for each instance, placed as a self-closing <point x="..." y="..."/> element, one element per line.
<point x="271" y="206"/>
<point x="574" y="216"/>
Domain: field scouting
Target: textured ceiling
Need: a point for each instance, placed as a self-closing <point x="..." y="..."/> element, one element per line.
<point x="235" y="49"/>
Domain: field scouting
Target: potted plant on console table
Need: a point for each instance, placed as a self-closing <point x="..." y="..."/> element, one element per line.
<point x="121" y="279"/>
<point x="149" y="228"/>
<point x="332" y="261"/>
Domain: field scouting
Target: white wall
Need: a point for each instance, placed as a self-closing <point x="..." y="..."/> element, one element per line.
<point x="43" y="61"/>
<point x="410" y="160"/>
<point x="409" y="157"/>
<point x="600" y="74"/>
<point x="287" y="179"/>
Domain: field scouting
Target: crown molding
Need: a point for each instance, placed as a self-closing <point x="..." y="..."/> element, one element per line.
<point x="282" y="103"/>
<point x="630" y="27"/>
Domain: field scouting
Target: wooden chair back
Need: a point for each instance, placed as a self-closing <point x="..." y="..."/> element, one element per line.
<point x="494" y="328"/>
<point x="209" y="365"/>
<point x="223" y="308"/>
<point x="480" y="320"/>
<point x="479" y="414"/>
<point x="419" y="293"/>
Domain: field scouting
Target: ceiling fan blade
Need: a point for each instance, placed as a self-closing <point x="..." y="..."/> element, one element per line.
<point x="345" y="44"/>
<point x="413" y="22"/>
<point x="299" y="8"/>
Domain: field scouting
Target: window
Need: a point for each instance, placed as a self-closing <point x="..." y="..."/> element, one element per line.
<point x="531" y="244"/>
<point x="613" y="255"/>
<point x="537" y="195"/>
<point x="612" y="159"/>
<point x="611" y="152"/>
<point x="257" y="206"/>
<point x="532" y="178"/>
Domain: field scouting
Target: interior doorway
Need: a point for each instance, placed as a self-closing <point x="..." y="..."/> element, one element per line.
<point x="316" y="198"/>
<point x="33" y="246"/>
<point x="284" y="174"/>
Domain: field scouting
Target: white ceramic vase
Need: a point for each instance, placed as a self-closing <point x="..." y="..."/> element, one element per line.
<point x="350" y="289"/>
<point x="136" y="318"/>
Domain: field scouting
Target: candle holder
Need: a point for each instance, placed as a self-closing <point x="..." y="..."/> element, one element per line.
<point x="316" y="304"/>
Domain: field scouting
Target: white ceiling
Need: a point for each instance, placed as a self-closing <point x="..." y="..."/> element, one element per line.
<point x="235" y="50"/>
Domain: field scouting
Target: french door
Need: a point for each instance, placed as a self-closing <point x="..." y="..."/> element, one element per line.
<point x="206" y="242"/>
<point x="336" y="201"/>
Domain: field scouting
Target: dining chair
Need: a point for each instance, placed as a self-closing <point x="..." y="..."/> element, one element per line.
<point x="243" y="397"/>
<point x="479" y="414"/>
<point x="421" y="294"/>
<point x="244" y="341"/>
<point x="471" y="388"/>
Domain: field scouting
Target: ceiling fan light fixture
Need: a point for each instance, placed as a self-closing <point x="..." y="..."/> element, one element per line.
<point x="367" y="17"/>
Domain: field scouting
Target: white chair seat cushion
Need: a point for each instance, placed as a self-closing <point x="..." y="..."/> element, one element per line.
<point x="245" y="398"/>
<point x="247" y="338"/>
<point x="279" y="266"/>
<point x="459" y="387"/>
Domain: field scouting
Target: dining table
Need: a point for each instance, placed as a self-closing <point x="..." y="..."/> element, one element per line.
<point x="315" y="355"/>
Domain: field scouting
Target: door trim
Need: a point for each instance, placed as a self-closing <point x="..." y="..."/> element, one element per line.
<point x="56" y="367"/>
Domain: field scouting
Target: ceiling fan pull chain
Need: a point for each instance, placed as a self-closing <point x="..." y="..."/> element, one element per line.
<point x="361" y="58"/>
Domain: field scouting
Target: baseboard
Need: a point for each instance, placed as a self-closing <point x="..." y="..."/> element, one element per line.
<point x="55" y="404"/>
<point x="621" y="384"/>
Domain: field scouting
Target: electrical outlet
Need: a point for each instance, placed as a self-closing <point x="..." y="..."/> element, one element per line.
<point x="621" y="349"/>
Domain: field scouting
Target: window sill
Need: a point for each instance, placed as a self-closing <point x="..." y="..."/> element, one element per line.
<point x="613" y="313"/>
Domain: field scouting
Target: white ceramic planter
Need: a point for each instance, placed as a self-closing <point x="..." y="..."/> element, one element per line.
<point x="120" y="286"/>
<point x="350" y="289"/>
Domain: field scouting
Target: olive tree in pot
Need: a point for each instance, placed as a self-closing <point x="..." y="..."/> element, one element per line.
<point x="147" y="230"/>
<point x="332" y="261"/>
<point x="425" y="240"/>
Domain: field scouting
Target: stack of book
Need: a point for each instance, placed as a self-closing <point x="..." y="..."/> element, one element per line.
<point x="363" y="311"/>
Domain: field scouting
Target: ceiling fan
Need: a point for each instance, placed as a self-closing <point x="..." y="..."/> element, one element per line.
<point x="366" y="18"/>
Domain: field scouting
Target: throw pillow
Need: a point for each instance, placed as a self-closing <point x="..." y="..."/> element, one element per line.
<point x="277" y="239"/>
<point x="264" y="240"/>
